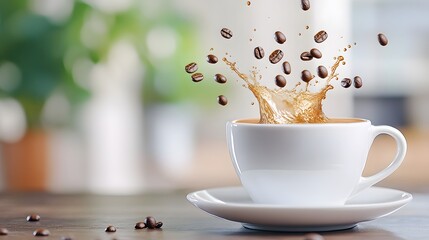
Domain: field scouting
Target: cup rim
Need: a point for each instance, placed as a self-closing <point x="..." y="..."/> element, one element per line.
<point x="254" y="122"/>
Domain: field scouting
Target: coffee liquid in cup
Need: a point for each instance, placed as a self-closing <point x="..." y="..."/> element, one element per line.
<point x="287" y="106"/>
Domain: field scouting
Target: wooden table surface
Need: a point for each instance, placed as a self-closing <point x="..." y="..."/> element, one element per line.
<point x="86" y="217"/>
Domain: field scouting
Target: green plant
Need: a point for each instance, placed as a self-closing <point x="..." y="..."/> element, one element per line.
<point x="35" y="47"/>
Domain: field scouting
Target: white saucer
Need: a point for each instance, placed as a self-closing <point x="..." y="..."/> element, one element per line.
<point x="233" y="203"/>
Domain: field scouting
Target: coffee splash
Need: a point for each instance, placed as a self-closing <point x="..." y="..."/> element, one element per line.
<point x="284" y="106"/>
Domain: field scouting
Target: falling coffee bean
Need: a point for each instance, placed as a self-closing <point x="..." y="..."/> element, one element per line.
<point x="306" y="56"/>
<point x="191" y="67"/>
<point x="140" y="225"/>
<point x="346" y="82"/>
<point x="357" y="82"/>
<point x="110" y="229"/>
<point x="41" y="232"/>
<point x="306" y="76"/>
<point x="382" y="39"/>
<point x="320" y="36"/>
<point x="279" y="37"/>
<point x="222" y="100"/>
<point x="316" y="53"/>
<point x="226" y="33"/>
<point x="280" y="81"/>
<point x="4" y="232"/>
<point x="33" y="218"/>
<point x="259" y="52"/>
<point x="220" y="78"/>
<point x="276" y="56"/>
<point x="197" y="77"/>
<point x="150" y="222"/>
<point x="212" y="59"/>
<point x="286" y="68"/>
<point x="322" y="72"/>
<point x="159" y="224"/>
<point x="305" y="4"/>
<point x="313" y="236"/>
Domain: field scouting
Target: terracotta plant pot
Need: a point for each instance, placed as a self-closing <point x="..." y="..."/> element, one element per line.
<point x="26" y="162"/>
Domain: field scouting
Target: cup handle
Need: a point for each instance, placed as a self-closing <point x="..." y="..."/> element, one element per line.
<point x="401" y="149"/>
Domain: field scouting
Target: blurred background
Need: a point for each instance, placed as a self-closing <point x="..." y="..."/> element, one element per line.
<point x="94" y="96"/>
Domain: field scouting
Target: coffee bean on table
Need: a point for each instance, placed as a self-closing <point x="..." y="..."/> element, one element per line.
<point x="33" y="218"/>
<point x="220" y="78"/>
<point x="66" y="238"/>
<point x="306" y="76"/>
<point x="222" y="100"/>
<point x="4" y="232"/>
<point x="305" y="4"/>
<point x="357" y="82"/>
<point x="276" y="56"/>
<point x="320" y="36"/>
<point x="279" y="37"/>
<point x="226" y="33"/>
<point x="191" y="67"/>
<point x="140" y="225"/>
<point x="197" y="77"/>
<point x="159" y="224"/>
<point x="259" y="52"/>
<point x="280" y="81"/>
<point x="150" y="222"/>
<point x="322" y="72"/>
<point x="346" y="82"/>
<point x="110" y="229"/>
<point x="306" y="56"/>
<point x="41" y="232"/>
<point x="316" y="53"/>
<point x="286" y="68"/>
<point x="313" y="236"/>
<point x="382" y="39"/>
<point x="212" y="59"/>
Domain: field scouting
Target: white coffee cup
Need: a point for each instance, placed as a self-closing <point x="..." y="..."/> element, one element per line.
<point x="307" y="165"/>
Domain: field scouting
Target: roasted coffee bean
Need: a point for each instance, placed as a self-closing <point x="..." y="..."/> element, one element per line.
<point x="322" y="72"/>
<point x="222" y="100"/>
<point x="279" y="37"/>
<point x="316" y="53"/>
<point x="306" y="56"/>
<point x="346" y="82"/>
<point x="41" y="232"/>
<point x="220" y="78"/>
<point x="212" y="59"/>
<point x="191" y="67"/>
<point x="259" y="52"/>
<point x="33" y="218"/>
<point x="382" y="39"/>
<point x="286" y="68"/>
<point x="159" y="224"/>
<point x="306" y="76"/>
<point x="313" y="236"/>
<point x="140" y="225"/>
<point x="226" y="33"/>
<point x="320" y="36"/>
<point x="357" y="82"/>
<point x="150" y="222"/>
<point x="110" y="229"/>
<point x="276" y="56"/>
<point x="4" y="232"/>
<point x="305" y="4"/>
<point x="66" y="238"/>
<point x="197" y="77"/>
<point x="280" y="81"/>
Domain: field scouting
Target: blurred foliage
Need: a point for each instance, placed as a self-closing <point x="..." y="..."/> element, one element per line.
<point x="44" y="51"/>
<point x="36" y="46"/>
